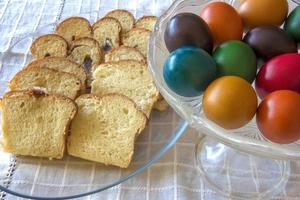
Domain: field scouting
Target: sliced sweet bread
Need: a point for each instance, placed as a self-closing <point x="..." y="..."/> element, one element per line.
<point x="125" y="18"/>
<point x="129" y="53"/>
<point x="73" y="28"/>
<point x="49" y="80"/>
<point x="84" y="49"/>
<point x="146" y="22"/>
<point x="105" y="128"/>
<point x="62" y="64"/>
<point x="35" y="123"/>
<point x="124" y="53"/>
<point x="130" y="78"/>
<point x="49" y="45"/>
<point x="137" y="38"/>
<point x="86" y="52"/>
<point x="107" y="32"/>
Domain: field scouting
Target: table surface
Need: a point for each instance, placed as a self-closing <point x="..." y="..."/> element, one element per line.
<point x="175" y="176"/>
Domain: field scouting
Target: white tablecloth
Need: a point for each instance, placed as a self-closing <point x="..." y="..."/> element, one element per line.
<point x="175" y="176"/>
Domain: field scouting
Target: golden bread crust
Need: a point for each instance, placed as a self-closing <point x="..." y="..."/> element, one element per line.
<point x="14" y="83"/>
<point x="49" y="45"/>
<point x="73" y="28"/>
<point x="125" y="18"/>
<point x="62" y="64"/>
<point x="124" y="53"/>
<point x="146" y="22"/>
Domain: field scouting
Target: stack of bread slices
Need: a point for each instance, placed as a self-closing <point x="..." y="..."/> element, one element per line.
<point x="87" y="91"/>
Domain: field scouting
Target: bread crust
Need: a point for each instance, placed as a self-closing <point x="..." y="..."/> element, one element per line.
<point x="122" y="11"/>
<point x="109" y="63"/>
<point x="145" y="18"/>
<point x="110" y="19"/>
<point x="135" y="30"/>
<point x="110" y="54"/>
<point x="69" y="21"/>
<point x="33" y="47"/>
<point x="36" y="63"/>
<point x="99" y="97"/>
<point x="85" y="41"/>
<point x="13" y="82"/>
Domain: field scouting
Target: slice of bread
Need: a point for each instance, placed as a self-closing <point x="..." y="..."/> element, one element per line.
<point x="137" y="38"/>
<point x="130" y="78"/>
<point x="125" y="18"/>
<point x="86" y="52"/>
<point x="49" y="80"/>
<point x="105" y="128"/>
<point x="86" y="48"/>
<point x="73" y="28"/>
<point x="35" y="123"/>
<point x="49" y="45"/>
<point x="146" y="22"/>
<point x="124" y="53"/>
<point x="107" y="32"/>
<point x="62" y="64"/>
<point x="129" y="53"/>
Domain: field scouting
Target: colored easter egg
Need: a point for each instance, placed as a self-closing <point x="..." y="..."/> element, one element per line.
<point x="236" y="58"/>
<point x="224" y="22"/>
<point x="188" y="71"/>
<point x="187" y="29"/>
<point x="279" y="73"/>
<point x="263" y="12"/>
<point x="292" y="24"/>
<point x="270" y="41"/>
<point x="278" y="116"/>
<point x="230" y="102"/>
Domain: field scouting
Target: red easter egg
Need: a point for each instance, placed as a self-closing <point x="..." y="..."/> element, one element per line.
<point x="280" y="73"/>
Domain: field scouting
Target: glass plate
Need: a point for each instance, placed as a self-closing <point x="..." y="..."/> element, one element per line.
<point x="21" y="176"/>
<point x="248" y="138"/>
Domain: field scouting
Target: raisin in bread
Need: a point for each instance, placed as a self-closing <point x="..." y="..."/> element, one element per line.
<point x="86" y="52"/>
<point x="107" y="32"/>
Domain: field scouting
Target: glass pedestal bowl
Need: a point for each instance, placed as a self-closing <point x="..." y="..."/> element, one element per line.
<point x="244" y="147"/>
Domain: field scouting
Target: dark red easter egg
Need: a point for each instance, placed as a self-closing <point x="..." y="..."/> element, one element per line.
<point x="280" y="73"/>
